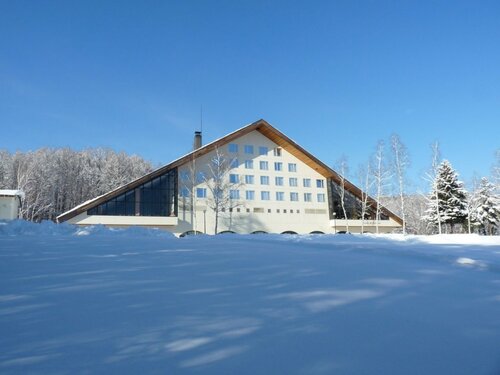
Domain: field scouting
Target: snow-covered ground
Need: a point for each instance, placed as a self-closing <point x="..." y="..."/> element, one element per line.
<point x="125" y="302"/>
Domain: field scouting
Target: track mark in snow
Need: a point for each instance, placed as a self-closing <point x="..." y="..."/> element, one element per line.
<point x="217" y="355"/>
<point x="187" y="344"/>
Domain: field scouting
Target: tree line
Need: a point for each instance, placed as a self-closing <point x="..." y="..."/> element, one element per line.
<point x="55" y="180"/>
<point x="448" y="207"/>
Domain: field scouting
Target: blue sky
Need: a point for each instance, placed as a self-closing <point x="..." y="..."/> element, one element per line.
<point x="335" y="76"/>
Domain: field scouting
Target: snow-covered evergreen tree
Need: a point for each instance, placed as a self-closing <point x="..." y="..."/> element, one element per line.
<point x="447" y="200"/>
<point x="486" y="215"/>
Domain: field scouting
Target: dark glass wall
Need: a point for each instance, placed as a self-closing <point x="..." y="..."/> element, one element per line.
<point x="157" y="197"/>
<point x="353" y="205"/>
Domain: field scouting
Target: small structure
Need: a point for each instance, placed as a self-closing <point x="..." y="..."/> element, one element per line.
<point x="10" y="204"/>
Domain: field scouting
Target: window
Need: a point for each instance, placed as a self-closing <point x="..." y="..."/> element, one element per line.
<point x="280" y="196"/>
<point x="278" y="166"/>
<point x="234" y="178"/>
<point x="294" y="197"/>
<point x="184" y="175"/>
<point x="306" y="182"/>
<point x="277" y="151"/>
<point x="201" y="192"/>
<point x="278" y="181"/>
<point x="156" y="197"/>
<point x="234" y="163"/>
<point x="263" y="165"/>
<point x="184" y="192"/>
<point x="321" y="197"/>
<point x="249" y="164"/>
<point x="264" y="180"/>
<point x="250" y="195"/>
<point x="234" y="194"/>
<point x="292" y="167"/>
<point x="307" y="197"/>
<point x="263" y="150"/>
<point x="249" y="179"/>
<point x="233" y="147"/>
<point x="248" y="149"/>
<point x="292" y="181"/>
<point x="320" y="183"/>
<point x="265" y="195"/>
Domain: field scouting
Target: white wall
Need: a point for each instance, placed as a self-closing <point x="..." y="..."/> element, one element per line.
<point x="301" y="217"/>
<point x="9" y="208"/>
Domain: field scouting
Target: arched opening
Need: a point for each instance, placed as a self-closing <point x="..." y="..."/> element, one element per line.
<point x="366" y="232"/>
<point x="317" y="232"/>
<point x="227" y="232"/>
<point x="259" y="232"/>
<point x="191" y="233"/>
<point x="289" y="232"/>
<point x="343" y="232"/>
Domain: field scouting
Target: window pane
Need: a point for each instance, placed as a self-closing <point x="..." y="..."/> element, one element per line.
<point x="307" y="182"/>
<point x="292" y="167"/>
<point x="233" y="147"/>
<point x="264" y="180"/>
<point x="249" y="179"/>
<point x="250" y="195"/>
<point x="279" y="181"/>
<point x="263" y="165"/>
<point x="249" y="164"/>
<point x="263" y="150"/>
<point x="233" y="178"/>
<point x="201" y="192"/>
<point x="248" y="149"/>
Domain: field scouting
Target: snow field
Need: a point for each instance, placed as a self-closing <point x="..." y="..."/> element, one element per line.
<point x="101" y="301"/>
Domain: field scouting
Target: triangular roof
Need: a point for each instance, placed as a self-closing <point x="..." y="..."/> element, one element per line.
<point x="262" y="127"/>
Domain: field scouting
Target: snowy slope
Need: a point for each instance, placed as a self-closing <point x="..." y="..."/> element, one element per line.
<point x="126" y="302"/>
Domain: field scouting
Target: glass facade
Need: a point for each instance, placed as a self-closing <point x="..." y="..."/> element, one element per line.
<point x="157" y="197"/>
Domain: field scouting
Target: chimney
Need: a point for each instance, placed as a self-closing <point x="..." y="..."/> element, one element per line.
<point x="197" y="140"/>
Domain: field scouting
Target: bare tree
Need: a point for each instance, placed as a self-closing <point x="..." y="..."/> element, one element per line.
<point x="472" y="203"/>
<point x="381" y="178"/>
<point x="189" y="181"/>
<point x="430" y="177"/>
<point x="342" y="168"/>
<point x="365" y="180"/>
<point x="495" y="172"/>
<point x="220" y="187"/>
<point x="400" y="163"/>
